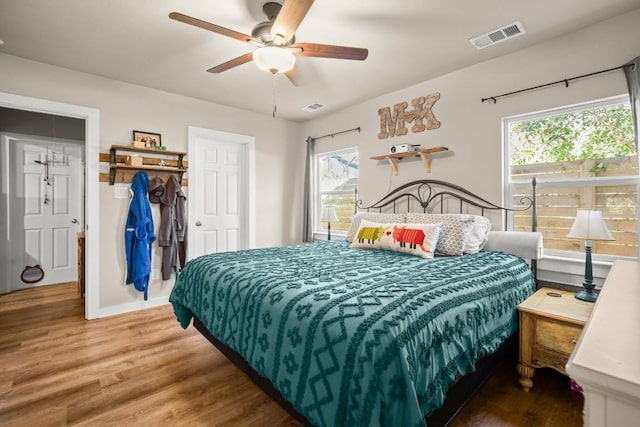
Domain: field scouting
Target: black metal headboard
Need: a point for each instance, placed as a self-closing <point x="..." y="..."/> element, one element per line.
<point x="428" y="194"/>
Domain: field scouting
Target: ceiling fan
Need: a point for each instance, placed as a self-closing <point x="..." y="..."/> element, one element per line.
<point x="275" y="39"/>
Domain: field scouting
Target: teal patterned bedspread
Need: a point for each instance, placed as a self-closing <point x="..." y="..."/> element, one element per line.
<point x="356" y="337"/>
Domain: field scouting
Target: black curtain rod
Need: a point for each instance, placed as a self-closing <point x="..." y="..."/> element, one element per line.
<point x="337" y="133"/>
<point x="565" y="81"/>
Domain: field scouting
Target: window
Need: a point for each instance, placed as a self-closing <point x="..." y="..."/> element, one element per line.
<point x="583" y="156"/>
<point x="336" y="184"/>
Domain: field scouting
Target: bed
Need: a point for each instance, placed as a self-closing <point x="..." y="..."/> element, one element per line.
<point x="345" y="336"/>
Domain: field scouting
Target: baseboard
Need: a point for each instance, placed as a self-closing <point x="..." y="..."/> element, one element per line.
<point x="133" y="306"/>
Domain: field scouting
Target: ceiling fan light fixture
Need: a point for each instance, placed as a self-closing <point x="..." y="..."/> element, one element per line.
<point x="274" y="59"/>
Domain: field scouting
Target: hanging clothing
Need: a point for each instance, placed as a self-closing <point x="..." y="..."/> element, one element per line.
<point x="172" y="235"/>
<point x="139" y="235"/>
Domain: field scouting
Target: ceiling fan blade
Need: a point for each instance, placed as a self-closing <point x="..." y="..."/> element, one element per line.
<point x="331" y="51"/>
<point x="213" y="27"/>
<point x="294" y="76"/>
<point x="243" y="59"/>
<point x="288" y="20"/>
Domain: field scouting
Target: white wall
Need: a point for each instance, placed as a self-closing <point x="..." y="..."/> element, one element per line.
<point x="471" y="129"/>
<point x="124" y="107"/>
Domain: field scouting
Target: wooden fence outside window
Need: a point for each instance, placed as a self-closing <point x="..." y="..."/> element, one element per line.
<point x="557" y="204"/>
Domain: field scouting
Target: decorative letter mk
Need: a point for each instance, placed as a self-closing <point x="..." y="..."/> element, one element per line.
<point x="392" y="125"/>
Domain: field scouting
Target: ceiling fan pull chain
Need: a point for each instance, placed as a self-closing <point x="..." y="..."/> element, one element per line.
<point x="274" y="95"/>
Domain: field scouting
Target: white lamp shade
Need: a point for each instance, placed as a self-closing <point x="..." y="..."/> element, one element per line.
<point x="589" y="225"/>
<point x="274" y="59"/>
<point x="329" y="214"/>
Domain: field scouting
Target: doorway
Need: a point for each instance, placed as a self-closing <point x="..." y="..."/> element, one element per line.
<point x="43" y="211"/>
<point x="91" y="204"/>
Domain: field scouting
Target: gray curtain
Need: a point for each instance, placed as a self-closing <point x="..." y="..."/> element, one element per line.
<point x="633" y="82"/>
<point x="307" y="212"/>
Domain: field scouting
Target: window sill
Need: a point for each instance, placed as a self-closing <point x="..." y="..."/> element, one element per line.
<point x="570" y="271"/>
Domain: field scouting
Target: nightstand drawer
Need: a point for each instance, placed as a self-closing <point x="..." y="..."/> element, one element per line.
<point x="557" y="336"/>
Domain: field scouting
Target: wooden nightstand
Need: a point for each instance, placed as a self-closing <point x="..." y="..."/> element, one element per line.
<point x="549" y="329"/>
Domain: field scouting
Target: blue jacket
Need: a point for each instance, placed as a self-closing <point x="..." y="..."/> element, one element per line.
<point x="138" y="235"/>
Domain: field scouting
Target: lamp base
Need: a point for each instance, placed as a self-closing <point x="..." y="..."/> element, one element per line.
<point x="587" y="296"/>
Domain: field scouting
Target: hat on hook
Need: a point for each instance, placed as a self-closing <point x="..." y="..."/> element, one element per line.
<point x="156" y="189"/>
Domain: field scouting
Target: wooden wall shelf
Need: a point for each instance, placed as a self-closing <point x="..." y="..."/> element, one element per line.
<point x="168" y="162"/>
<point x="423" y="153"/>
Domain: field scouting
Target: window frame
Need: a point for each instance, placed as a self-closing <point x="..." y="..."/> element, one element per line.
<point x="556" y="259"/>
<point x="320" y="233"/>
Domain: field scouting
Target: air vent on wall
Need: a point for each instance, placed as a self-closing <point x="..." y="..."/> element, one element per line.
<point x="499" y="35"/>
<point x="313" y="107"/>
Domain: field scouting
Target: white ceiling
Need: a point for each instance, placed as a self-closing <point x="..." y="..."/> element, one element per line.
<point x="409" y="41"/>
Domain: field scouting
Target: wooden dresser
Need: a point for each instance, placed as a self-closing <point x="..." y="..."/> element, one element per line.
<point x="606" y="360"/>
<point x="551" y="321"/>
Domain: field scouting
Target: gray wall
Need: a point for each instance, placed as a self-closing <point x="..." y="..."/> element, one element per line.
<point x="39" y="124"/>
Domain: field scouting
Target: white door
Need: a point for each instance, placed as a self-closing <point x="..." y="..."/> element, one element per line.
<point x="219" y="192"/>
<point x="48" y="206"/>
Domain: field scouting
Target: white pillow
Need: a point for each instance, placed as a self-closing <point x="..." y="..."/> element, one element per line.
<point x="413" y="239"/>
<point x="455" y="229"/>
<point x="478" y="235"/>
<point x="383" y="218"/>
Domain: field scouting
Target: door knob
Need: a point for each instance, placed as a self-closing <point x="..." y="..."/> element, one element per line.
<point x="198" y="223"/>
<point x="74" y="221"/>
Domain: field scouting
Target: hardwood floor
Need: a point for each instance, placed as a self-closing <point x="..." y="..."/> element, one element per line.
<point x="143" y="369"/>
<point x="502" y="403"/>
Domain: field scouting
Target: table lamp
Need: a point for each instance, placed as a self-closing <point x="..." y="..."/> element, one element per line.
<point x="328" y="215"/>
<point x="589" y="225"/>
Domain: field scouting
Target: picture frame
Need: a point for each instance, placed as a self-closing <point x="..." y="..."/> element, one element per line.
<point x="150" y="139"/>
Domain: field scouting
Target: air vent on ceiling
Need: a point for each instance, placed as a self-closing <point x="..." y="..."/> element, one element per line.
<point x="313" y="107"/>
<point x="499" y="35"/>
